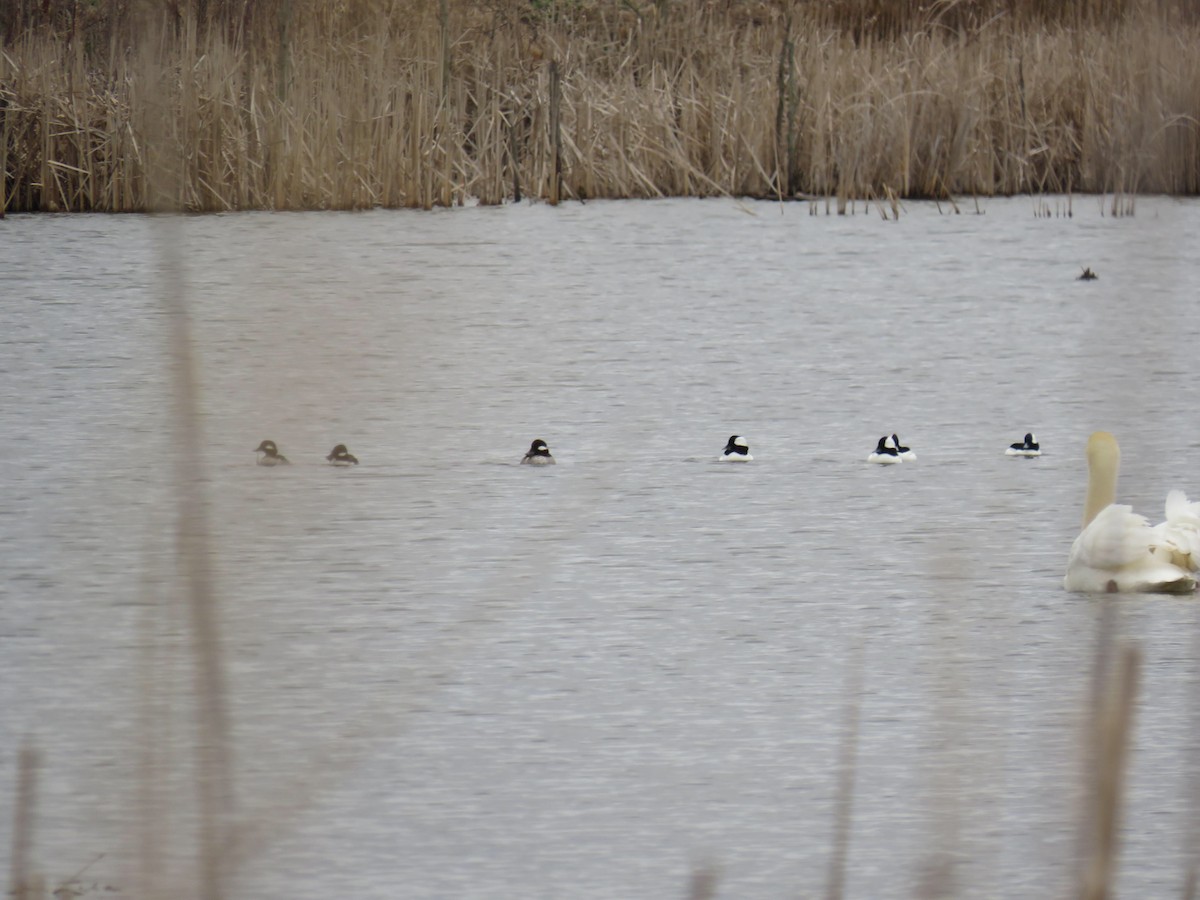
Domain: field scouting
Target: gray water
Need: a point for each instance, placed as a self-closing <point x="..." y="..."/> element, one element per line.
<point x="453" y="676"/>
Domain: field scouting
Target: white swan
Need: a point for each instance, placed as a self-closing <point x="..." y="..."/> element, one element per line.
<point x="1117" y="551"/>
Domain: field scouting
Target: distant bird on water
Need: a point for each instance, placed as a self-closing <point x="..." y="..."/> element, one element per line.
<point x="1029" y="447"/>
<point x="538" y="455"/>
<point x="340" y="456"/>
<point x="736" y="450"/>
<point x="270" y="455"/>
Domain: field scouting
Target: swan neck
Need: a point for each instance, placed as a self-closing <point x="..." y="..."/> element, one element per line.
<point x="1102" y="482"/>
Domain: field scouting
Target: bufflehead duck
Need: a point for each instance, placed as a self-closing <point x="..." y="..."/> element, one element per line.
<point x="1029" y="448"/>
<point x="884" y="454"/>
<point x="538" y="455"/>
<point x="737" y="450"/>
<point x="340" y="456"/>
<point x="271" y="455"/>
<point x="1117" y="552"/>
<point x="903" y="452"/>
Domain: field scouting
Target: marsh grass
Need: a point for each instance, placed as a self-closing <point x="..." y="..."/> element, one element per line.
<point x="297" y="104"/>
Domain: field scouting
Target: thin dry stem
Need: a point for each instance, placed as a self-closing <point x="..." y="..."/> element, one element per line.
<point x="21" y="879"/>
<point x="847" y="774"/>
<point x="1114" y="693"/>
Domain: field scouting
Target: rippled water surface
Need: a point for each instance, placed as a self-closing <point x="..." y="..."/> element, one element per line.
<point x="452" y="676"/>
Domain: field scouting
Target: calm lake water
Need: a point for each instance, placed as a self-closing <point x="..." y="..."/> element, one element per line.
<point x="453" y="676"/>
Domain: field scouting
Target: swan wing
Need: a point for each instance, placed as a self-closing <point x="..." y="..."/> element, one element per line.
<point x="1180" y="511"/>
<point x="1120" y="552"/>
<point x="1179" y="535"/>
<point x="1116" y="538"/>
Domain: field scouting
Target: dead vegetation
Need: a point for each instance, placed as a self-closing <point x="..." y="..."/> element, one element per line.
<point x="300" y="104"/>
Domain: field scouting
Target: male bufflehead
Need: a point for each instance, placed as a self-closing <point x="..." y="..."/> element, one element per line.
<point x="538" y="455"/>
<point x="271" y="455"/>
<point x="1030" y="447"/>
<point x="884" y="454"/>
<point x="903" y="452"/>
<point x="736" y="450"/>
<point x="340" y="456"/>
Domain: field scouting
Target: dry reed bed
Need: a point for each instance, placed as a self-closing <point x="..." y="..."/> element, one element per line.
<point x="460" y="102"/>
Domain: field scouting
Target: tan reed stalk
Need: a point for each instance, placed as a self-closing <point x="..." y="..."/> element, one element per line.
<point x="21" y="880"/>
<point x="847" y="772"/>
<point x="155" y="740"/>
<point x="171" y="170"/>
<point x="4" y="142"/>
<point x="555" y="115"/>
<point x="1114" y="692"/>
<point x="213" y="742"/>
<point x="1191" y="836"/>
<point x="703" y="883"/>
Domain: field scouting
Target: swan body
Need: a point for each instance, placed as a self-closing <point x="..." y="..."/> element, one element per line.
<point x="1028" y="448"/>
<point x="884" y="454"/>
<point x="1118" y="551"/>
<point x="736" y="450"/>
